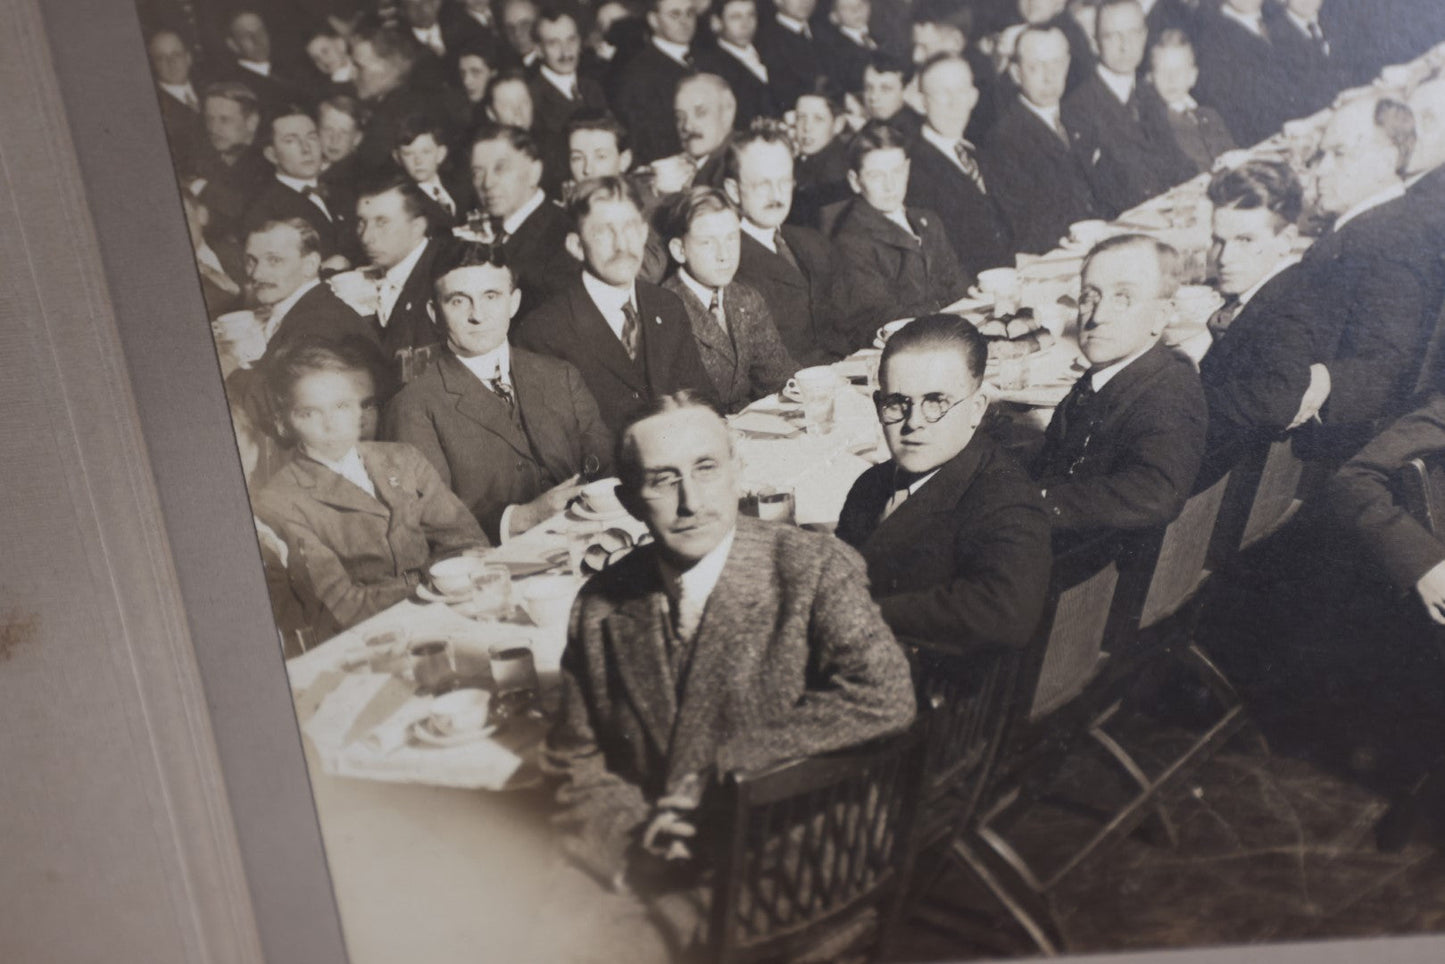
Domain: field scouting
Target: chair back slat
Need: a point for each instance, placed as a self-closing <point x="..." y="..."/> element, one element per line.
<point x="1413" y="482"/>
<point x="1075" y="641"/>
<point x="815" y="850"/>
<point x="1183" y="553"/>
<point x="1279" y="482"/>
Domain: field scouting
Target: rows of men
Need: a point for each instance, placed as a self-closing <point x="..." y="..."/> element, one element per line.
<point x="513" y="363"/>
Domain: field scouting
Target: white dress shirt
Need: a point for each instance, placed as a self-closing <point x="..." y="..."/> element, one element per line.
<point x="1049" y="115"/>
<point x="1254" y="25"/>
<point x="1304" y="27"/>
<point x="496" y="363"/>
<point x="799" y="27"/>
<point x="280" y="308"/>
<point x="704" y="293"/>
<point x="433" y="189"/>
<point x="859" y="37"/>
<point x="1391" y="193"/>
<point x="566" y="83"/>
<point x="351" y="469"/>
<point x="609" y="300"/>
<point x="767" y="237"/>
<point x="185" y="93"/>
<point x="1183" y="104"/>
<point x="515" y="220"/>
<point x="948" y="145"/>
<point x="690" y="588"/>
<point x="431" y="38"/>
<point x="256" y="67"/>
<point x="394" y="280"/>
<point x="299" y="186"/>
<point x="1120" y="85"/>
<point x="900" y="218"/>
<point x="677" y="52"/>
<point x="747" y="56"/>
<point x="208" y="257"/>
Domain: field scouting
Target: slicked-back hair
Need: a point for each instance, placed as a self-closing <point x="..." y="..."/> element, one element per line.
<point x="509" y="76"/>
<point x="308" y="357"/>
<point x="551" y="13"/>
<point x="521" y="140"/>
<point x="883" y="62"/>
<point x="413" y="126"/>
<point x="289" y="109"/>
<point x="1037" y="30"/>
<point x="456" y="253"/>
<point x="825" y="90"/>
<point x="1171" y="39"/>
<point x="344" y="104"/>
<point x="1166" y="255"/>
<point x="236" y="92"/>
<point x="761" y="131"/>
<point x="875" y="136"/>
<point x="940" y="332"/>
<point x="1396" y="121"/>
<point x="595" y="190"/>
<point x="687" y="206"/>
<point x="1256" y="184"/>
<point x="944" y="13"/>
<point x="592" y="119"/>
<point x="307" y="236"/>
<point x="625" y="450"/>
<point x="718" y="6"/>
<point x="412" y="199"/>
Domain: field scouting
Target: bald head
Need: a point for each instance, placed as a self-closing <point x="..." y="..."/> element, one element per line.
<point x="1366" y="148"/>
<point x="705" y="109"/>
<point x="1427" y="102"/>
<point x="170" y="58"/>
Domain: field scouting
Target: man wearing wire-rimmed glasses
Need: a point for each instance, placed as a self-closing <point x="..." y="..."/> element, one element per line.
<point x="953" y="531"/>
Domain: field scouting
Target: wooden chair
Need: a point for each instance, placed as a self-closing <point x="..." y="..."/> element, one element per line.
<point x="813" y="856"/>
<point x="1262" y="498"/>
<point x="1416" y="495"/>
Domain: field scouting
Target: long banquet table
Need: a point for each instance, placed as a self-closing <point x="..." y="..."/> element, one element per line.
<point x="429" y="863"/>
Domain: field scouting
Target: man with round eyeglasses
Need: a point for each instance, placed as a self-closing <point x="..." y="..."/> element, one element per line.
<point x="954" y="533"/>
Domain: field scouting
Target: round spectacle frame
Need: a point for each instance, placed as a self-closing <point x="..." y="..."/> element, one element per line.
<point x="664" y="485"/>
<point x="893" y="409"/>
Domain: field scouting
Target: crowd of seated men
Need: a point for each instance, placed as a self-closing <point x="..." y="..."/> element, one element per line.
<point x="493" y="250"/>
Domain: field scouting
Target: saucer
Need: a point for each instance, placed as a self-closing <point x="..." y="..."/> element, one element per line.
<point x="423" y="731"/>
<point x="582" y="513"/>
<point x="428" y="594"/>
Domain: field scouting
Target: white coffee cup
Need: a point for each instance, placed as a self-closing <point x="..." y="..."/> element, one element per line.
<point x="892" y="328"/>
<point x="817" y="382"/>
<point x="998" y="281"/>
<point x="1088" y="233"/>
<point x="453" y="577"/>
<point x="601" y="496"/>
<point x="548" y="599"/>
<point x="461" y="711"/>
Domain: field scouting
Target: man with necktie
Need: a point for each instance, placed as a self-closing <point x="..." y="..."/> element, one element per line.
<point x="421" y="152"/>
<point x="648" y="80"/>
<point x="631" y="340"/>
<point x="171" y="65"/>
<point x="511" y="432"/>
<point x="1240" y="70"/>
<point x="1123" y="449"/>
<point x="1198" y="131"/>
<point x="952" y="528"/>
<point x="844" y="43"/>
<point x="293" y="147"/>
<point x="727" y="643"/>
<point x="559" y="91"/>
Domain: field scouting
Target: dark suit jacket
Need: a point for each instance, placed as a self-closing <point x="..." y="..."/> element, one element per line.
<point x="971" y="219"/>
<point x="791" y="659"/>
<point x="551" y="112"/>
<point x="230" y="188"/>
<point x="277" y="202"/>
<point x="643" y="102"/>
<point x="1379" y="282"/>
<point x="569" y="326"/>
<point x="1256" y="374"/>
<point x="444" y="105"/>
<point x="822" y="180"/>
<point x="793" y="61"/>
<point x="1200" y="134"/>
<point x="964" y="561"/>
<point x="1362" y="497"/>
<point x="1041" y="185"/>
<point x="350" y="554"/>
<point x="486" y="457"/>
<point x="460" y="30"/>
<point x="185" y="130"/>
<point x="884" y="273"/>
<point x="748" y="360"/>
<point x="459" y="188"/>
<point x="409" y="327"/>
<point x="755" y="98"/>
<point x="537" y="252"/>
<point x="842" y="59"/>
<point x="1136" y="155"/>
<point x="1129" y="459"/>
<point x="284" y="85"/>
<point x="1240" y="76"/>
<point x="1314" y="76"/>
<point x="799" y="298"/>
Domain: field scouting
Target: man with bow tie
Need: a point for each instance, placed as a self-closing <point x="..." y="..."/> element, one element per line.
<point x="728" y="643"/>
<point x="952" y="528"/>
<point x="1123" y="449"/>
<point x="293" y="147"/>
<point x="510" y="431"/>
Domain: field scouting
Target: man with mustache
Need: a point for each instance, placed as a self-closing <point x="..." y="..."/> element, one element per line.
<point x="559" y="91"/>
<point x="728" y="642"/>
<point x="631" y="340"/>
<point x="705" y="109"/>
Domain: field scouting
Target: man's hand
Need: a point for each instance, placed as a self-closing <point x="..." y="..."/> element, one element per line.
<point x="531" y="514"/>
<point x="1315" y="396"/>
<point x="667" y="836"/>
<point x="1431" y="588"/>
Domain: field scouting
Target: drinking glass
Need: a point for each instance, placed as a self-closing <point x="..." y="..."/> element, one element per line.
<point x="491" y="592"/>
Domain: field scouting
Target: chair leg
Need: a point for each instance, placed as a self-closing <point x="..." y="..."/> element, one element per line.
<point x="1028" y="905"/>
<point x="1161" y="825"/>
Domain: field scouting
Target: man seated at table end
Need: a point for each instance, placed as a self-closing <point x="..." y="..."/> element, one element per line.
<point x="953" y="530"/>
<point x="728" y="643"/>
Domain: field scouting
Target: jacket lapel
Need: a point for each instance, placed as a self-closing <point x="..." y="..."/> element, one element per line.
<point x="477" y="402"/>
<point x="704" y="327"/>
<point x="328" y="487"/>
<point x="635" y="634"/>
<point x="939" y="494"/>
<point x="775" y="266"/>
<point x="883" y="230"/>
<point x="593" y="330"/>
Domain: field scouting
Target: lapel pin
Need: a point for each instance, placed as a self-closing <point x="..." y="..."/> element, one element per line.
<point x="658" y="319"/>
<point x="393" y="481"/>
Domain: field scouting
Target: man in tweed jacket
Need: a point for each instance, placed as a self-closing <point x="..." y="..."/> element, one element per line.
<point x="728" y="643"/>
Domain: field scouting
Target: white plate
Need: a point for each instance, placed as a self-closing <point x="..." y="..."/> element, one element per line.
<point x="422" y="732"/>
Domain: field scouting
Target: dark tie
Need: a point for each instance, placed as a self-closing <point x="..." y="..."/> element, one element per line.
<point x="503" y="391"/>
<point x="499" y="230"/>
<point x="443" y="200"/>
<point x="1224" y="316"/>
<point x="716" y="310"/>
<point x="785" y="252"/>
<point x="1318" y="36"/>
<point x="631" y="330"/>
<point x="902" y="481"/>
<point x="689" y="61"/>
<point x="969" y="165"/>
<point x="1075" y="407"/>
<point x="315" y="194"/>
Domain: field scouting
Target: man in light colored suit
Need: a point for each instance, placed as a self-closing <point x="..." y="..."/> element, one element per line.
<point x="726" y="644"/>
<point x="509" y="431"/>
<point x="736" y="338"/>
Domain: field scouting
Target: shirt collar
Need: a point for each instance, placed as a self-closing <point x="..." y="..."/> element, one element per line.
<point x="1103" y="376"/>
<point x="900" y="218"/>
<point x="399" y="272"/>
<point x="295" y="183"/>
<point x="180" y="91"/>
<point x="342" y="74"/>
<point x="788" y="23"/>
<point x="1120" y="85"/>
<point x="748" y="53"/>
<point x="496" y="362"/>
<point x="1184" y="103"/>
<point x="1253" y="290"/>
<point x="256" y="67"/>
<point x="703" y="292"/>
<point x="280" y="308"/>
<point x="1300" y="22"/>
<point x="677" y="52"/>
<point x="427" y="34"/>
<point x="481" y="16"/>
<point x="566" y="83"/>
<point x="517" y="217"/>
<point x="1049" y="115"/>
<point x="945" y="144"/>
<point x="859" y="37"/>
<point x="920" y="482"/>
<point x="1391" y="193"/>
<point x="1254" y="25"/>
<point x="764" y="236"/>
<point x="606" y="297"/>
<point x="701" y="578"/>
<point x="345" y="466"/>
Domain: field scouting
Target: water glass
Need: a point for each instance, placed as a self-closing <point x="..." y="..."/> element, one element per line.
<point x="491" y="592"/>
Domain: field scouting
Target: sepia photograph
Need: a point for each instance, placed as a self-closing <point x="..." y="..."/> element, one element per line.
<point x="837" y="480"/>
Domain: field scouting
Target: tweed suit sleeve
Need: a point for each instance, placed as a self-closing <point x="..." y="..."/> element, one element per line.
<point x="406" y="419"/>
<point x="772" y="365"/>
<point x="861" y="688"/>
<point x="598" y="812"/>
<point x="1361" y="499"/>
<point x="449" y="525"/>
